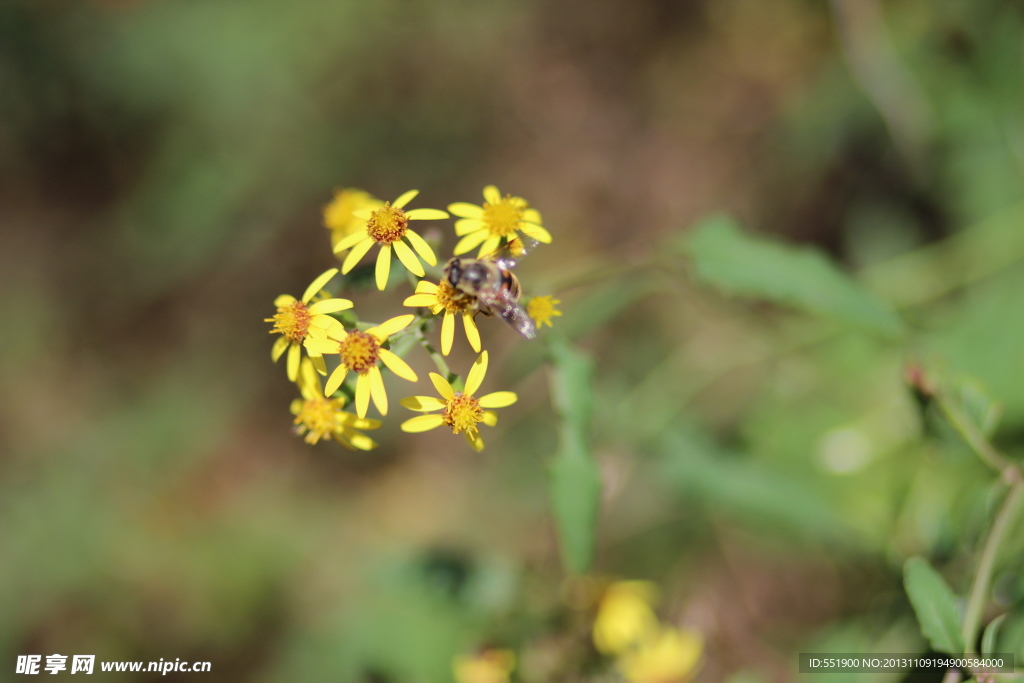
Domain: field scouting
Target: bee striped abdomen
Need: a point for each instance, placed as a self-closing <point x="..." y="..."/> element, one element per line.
<point x="510" y="283"/>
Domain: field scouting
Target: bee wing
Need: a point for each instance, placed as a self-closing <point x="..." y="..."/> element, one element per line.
<point x="506" y="306"/>
<point x="511" y="253"/>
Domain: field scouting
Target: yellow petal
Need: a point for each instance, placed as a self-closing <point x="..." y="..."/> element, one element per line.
<point x="365" y="214"/>
<point x="294" y="354"/>
<point x="336" y="330"/>
<point x="423" y="404"/>
<point x="468" y="225"/>
<point x="492" y="195"/>
<point x="499" y="399"/>
<point x="405" y="199"/>
<point x="319" y="324"/>
<point x="356" y="255"/>
<point x="426" y="287"/>
<point x="284" y="300"/>
<point x="421" y="247"/>
<point x="536" y="232"/>
<point x="318" y="284"/>
<point x="447" y="332"/>
<point x="468" y="242"/>
<point x="350" y="420"/>
<point x="389" y="327"/>
<point x="533" y="216"/>
<point x="472" y="333"/>
<point x="279" y="346"/>
<point x="490" y="246"/>
<point x="330" y="306"/>
<point x="355" y="441"/>
<point x="490" y="418"/>
<point x="377" y="392"/>
<point x="383" y="267"/>
<point x="442" y="386"/>
<point x="351" y="240"/>
<point x="362" y="395"/>
<point x="408" y="259"/>
<point x="398" y="366"/>
<point x="422" y="423"/>
<point x="318" y="364"/>
<point x="420" y="300"/>
<point x="427" y="214"/>
<point x="309" y="381"/>
<point x="466" y="210"/>
<point x="321" y="346"/>
<point x="335" y="380"/>
<point x="476" y="374"/>
<point x="474" y="439"/>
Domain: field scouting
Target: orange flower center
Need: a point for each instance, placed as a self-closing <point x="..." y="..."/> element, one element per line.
<point x="462" y="413"/>
<point x="454" y="300"/>
<point x="291" y="320"/>
<point x="359" y="352"/>
<point x="318" y="418"/>
<point x="503" y="218"/>
<point x="387" y="225"/>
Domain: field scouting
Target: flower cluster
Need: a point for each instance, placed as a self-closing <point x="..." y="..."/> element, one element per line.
<point x="645" y="650"/>
<point x="324" y="337"/>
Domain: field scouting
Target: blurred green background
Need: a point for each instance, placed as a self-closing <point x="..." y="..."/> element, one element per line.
<point x="163" y="166"/>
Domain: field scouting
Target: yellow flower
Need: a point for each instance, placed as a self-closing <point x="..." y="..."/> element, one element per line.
<point x="490" y="666"/>
<point x="318" y="417"/>
<point x="542" y="310"/>
<point x="459" y="410"/>
<point x="625" y="617"/>
<point x="444" y="297"/>
<point x="338" y="215"/>
<point x="498" y="218"/>
<point x="669" y="657"/>
<point x="388" y="226"/>
<point x="297" y="320"/>
<point x="360" y="353"/>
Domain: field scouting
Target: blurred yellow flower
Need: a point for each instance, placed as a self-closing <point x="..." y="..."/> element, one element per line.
<point x="542" y="310"/>
<point x="444" y="297"/>
<point x="360" y="352"/>
<point x="318" y="417"/>
<point x="670" y="656"/>
<point x="490" y="666"/>
<point x="297" y="320"/>
<point x="388" y="226"/>
<point x="498" y="218"/>
<point x="339" y="215"/>
<point x="459" y="410"/>
<point x="625" y="617"/>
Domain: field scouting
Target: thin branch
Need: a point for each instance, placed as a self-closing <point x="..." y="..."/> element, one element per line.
<point x="978" y="596"/>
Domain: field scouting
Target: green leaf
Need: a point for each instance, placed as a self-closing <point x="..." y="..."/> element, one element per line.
<point x="979" y="407"/>
<point x="988" y="639"/>
<point x="575" y="499"/>
<point x="571" y="390"/>
<point x="800" y="277"/>
<point x="935" y="606"/>
<point x="575" y="479"/>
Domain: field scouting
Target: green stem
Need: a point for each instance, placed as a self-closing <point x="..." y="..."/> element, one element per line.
<point x="986" y="566"/>
<point x="977" y="441"/>
<point x="604" y="271"/>
<point x="442" y="366"/>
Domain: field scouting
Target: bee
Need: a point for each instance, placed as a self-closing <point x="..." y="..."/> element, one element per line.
<point x="492" y="284"/>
